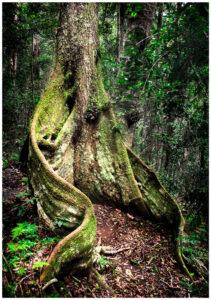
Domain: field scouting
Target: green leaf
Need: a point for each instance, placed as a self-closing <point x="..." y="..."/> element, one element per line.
<point x="5" y="163"/>
<point x="59" y="223"/>
<point x="39" y="264"/>
<point x="24" y="180"/>
<point x="133" y="14"/>
<point x="21" y="271"/>
<point x="134" y="262"/>
<point x="14" y="156"/>
<point x="23" y="194"/>
<point x="13" y="247"/>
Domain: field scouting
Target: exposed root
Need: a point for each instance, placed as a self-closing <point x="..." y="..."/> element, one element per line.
<point x="106" y="250"/>
<point x="57" y="286"/>
<point x="109" y="249"/>
<point x="54" y="280"/>
<point x="162" y="205"/>
<point x="102" y="282"/>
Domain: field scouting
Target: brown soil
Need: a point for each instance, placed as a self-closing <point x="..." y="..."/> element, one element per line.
<point x="147" y="269"/>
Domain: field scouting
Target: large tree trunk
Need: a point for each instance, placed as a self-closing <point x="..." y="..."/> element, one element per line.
<point x="77" y="153"/>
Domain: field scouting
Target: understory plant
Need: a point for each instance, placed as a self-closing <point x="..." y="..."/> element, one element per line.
<point x="21" y="258"/>
<point x="196" y="254"/>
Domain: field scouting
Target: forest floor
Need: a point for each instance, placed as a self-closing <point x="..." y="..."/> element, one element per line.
<point x="146" y="266"/>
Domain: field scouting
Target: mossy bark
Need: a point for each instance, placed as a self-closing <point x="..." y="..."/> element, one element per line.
<point x="77" y="153"/>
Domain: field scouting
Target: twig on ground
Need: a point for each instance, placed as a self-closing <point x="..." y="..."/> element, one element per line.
<point x="76" y="279"/>
<point x="169" y="285"/>
<point x="20" y="282"/>
<point x="91" y="292"/>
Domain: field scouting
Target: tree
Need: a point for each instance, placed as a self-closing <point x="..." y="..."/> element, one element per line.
<point x="77" y="152"/>
<point x="134" y="31"/>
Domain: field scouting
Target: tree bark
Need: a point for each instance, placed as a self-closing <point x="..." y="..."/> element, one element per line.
<point x="77" y="153"/>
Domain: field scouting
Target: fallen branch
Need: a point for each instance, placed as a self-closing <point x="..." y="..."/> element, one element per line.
<point x="20" y="282"/>
<point x="93" y="294"/>
<point x="76" y="279"/>
<point x="170" y="286"/>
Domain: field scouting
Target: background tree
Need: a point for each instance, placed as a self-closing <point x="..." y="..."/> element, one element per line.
<point x="25" y="69"/>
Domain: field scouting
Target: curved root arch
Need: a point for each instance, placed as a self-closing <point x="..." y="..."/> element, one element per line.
<point x="62" y="207"/>
<point x="161" y="204"/>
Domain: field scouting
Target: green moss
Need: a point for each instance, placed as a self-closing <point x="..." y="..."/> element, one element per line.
<point x="161" y="204"/>
<point x="61" y="205"/>
<point x="58" y="112"/>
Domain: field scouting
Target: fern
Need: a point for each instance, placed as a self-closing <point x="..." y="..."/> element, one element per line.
<point x="24" y="228"/>
<point x="39" y="264"/>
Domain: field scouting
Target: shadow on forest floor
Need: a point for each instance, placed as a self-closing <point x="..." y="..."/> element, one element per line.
<point x="146" y="267"/>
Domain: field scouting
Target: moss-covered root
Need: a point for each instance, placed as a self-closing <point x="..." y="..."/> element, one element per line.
<point x="161" y="204"/>
<point x="73" y="253"/>
<point x="179" y="247"/>
<point x="102" y="282"/>
<point x="55" y="286"/>
<point x="64" y="208"/>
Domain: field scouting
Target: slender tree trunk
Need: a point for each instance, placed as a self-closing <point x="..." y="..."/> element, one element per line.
<point x="204" y="135"/>
<point x="160" y="15"/>
<point x="120" y="29"/>
<point x="32" y="67"/>
<point x="130" y="28"/>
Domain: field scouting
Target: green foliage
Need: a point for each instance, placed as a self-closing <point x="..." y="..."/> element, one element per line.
<point x="14" y="156"/>
<point x="56" y="295"/>
<point x="23" y="194"/>
<point x="104" y="261"/>
<point x="24" y="229"/>
<point x="195" y="250"/>
<point x="21" y="245"/>
<point x="134" y="262"/>
<point x="118" y="127"/>
<point x="166" y="80"/>
<point x="24" y="180"/>
<point x="47" y="241"/>
<point x="26" y="244"/>
<point x="39" y="264"/>
<point x="7" y="158"/>
<point x="191" y="249"/>
<point x="194" y="289"/>
<point x="10" y="289"/>
<point x="21" y="21"/>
